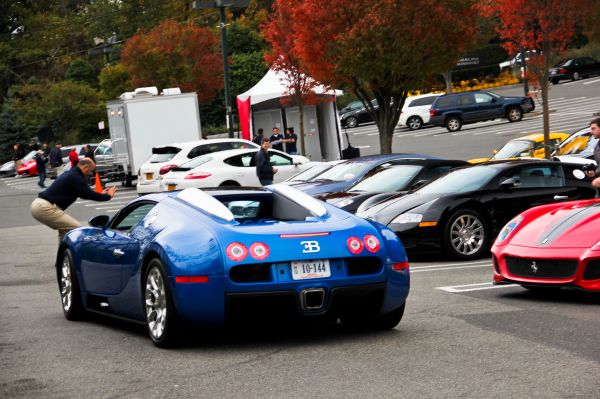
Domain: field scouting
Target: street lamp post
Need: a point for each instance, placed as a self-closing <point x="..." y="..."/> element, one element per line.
<point x="221" y="4"/>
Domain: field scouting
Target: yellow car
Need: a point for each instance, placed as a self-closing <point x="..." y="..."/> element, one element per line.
<point x="530" y="146"/>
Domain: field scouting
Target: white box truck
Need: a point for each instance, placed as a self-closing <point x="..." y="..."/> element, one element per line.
<point x="141" y="120"/>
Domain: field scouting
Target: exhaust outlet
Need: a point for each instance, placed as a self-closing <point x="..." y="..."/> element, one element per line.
<point x="312" y="298"/>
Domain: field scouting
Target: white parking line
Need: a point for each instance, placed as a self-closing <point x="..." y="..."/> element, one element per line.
<point x="477" y="262"/>
<point x="474" y="287"/>
<point x="112" y="202"/>
<point x="489" y="265"/>
<point x="591" y="82"/>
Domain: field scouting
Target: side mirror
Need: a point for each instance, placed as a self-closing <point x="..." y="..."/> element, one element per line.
<point x="99" y="221"/>
<point x="511" y="182"/>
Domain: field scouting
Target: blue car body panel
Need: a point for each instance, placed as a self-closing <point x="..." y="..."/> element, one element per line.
<point x="192" y="242"/>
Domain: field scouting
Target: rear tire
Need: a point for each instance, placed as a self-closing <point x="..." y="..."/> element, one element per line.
<point x="414" y="123"/>
<point x="229" y="183"/>
<point x="68" y="285"/>
<point x="453" y="124"/>
<point x="162" y="321"/>
<point x="351" y="121"/>
<point x="554" y="81"/>
<point x="576" y="76"/>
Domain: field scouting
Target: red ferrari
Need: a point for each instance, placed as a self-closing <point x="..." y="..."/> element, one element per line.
<point x="28" y="166"/>
<point x="556" y="245"/>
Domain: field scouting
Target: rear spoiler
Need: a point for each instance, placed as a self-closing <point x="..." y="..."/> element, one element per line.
<point x="165" y="150"/>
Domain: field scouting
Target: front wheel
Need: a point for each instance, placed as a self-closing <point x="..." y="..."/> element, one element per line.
<point x="162" y="320"/>
<point x="414" y="123"/>
<point x="514" y="114"/>
<point x="554" y="81"/>
<point x="466" y="234"/>
<point x="70" y="294"/>
<point x="453" y="124"/>
<point x="351" y="121"/>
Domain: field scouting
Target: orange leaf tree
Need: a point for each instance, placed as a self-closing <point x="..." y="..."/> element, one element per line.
<point x="174" y="54"/>
<point x="279" y="34"/>
<point x="379" y="49"/>
<point x="546" y="26"/>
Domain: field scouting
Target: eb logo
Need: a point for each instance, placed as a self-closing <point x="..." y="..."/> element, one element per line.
<point x="310" y="246"/>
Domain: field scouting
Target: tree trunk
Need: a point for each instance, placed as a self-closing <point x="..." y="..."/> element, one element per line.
<point x="544" y="86"/>
<point x="448" y="78"/>
<point x="301" y="115"/>
<point x="386" y="134"/>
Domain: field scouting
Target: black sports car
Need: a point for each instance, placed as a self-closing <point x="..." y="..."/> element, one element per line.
<point x="574" y="69"/>
<point x="463" y="211"/>
<point x="355" y="114"/>
<point x="398" y="176"/>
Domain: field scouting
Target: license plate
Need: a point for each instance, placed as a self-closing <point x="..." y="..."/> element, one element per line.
<point x="149" y="176"/>
<point x="307" y="269"/>
<point x="171" y="187"/>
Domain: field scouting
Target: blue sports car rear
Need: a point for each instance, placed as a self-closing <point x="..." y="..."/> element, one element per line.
<point x="211" y="257"/>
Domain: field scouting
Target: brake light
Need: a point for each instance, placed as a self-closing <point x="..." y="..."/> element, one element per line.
<point x="399" y="266"/>
<point x="371" y="243"/>
<point x="165" y="169"/>
<point x="191" y="279"/>
<point x="432" y="112"/>
<point x="563" y="70"/>
<point x="354" y="245"/>
<point x="259" y="251"/>
<point x="197" y="175"/>
<point x="236" y="251"/>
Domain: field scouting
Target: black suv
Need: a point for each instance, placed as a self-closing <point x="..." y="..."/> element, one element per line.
<point x="454" y="110"/>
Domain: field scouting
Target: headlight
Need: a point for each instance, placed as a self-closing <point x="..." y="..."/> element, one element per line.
<point x="344" y="203"/>
<point x="509" y="228"/>
<point x="408" y="218"/>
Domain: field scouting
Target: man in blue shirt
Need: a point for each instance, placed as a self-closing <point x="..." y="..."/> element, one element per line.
<point x="276" y="139"/>
<point x="264" y="169"/>
<point x="50" y="205"/>
<point x="290" y="141"/>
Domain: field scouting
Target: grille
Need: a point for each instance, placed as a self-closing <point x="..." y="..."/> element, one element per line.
<point x="541" y="268"/>
<point x="363" y="265"/>
<point x="592" y="270"/>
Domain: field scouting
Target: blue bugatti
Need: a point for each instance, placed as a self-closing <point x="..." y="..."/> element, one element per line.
<point x="206" y="257"/>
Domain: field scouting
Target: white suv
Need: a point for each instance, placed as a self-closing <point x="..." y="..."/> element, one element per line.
<point x="415" y="112"/>
<point x="165" y="158"/>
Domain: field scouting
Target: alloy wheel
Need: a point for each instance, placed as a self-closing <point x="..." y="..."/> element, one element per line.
<point x="467" y="234"/>
<point x="66" y="286"/>
<point x="514" y="114"/>
<point x="156" y="303"/>
<point x="414" y="123"/>
<point x="351" y="121"/>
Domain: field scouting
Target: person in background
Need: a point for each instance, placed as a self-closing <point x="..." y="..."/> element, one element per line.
<point x="50" y="205"/>
<point x="46" y="150"/>
<point x="275" y="139"/>
<point x="591" y="172"/>
<point x="264" y="169"/>
<point x="55" y="157"/>
<point x="89" y="153"/>
<point x="18" y="154"/>
<point x="258" y="138"/>
<point x="40" y="164"/>
<point x="290" y="141"/>
<point x="73" y="158"/>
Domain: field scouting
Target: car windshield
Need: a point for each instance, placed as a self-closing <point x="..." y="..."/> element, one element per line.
<point x="461" y="180"/>
<point x="310" y="173"/>
<point x="578" y="143"/>
<point x="28" y="157"/>
<point x="514" y="149"/>
<point x="344" y="171"/>
<point x="388" y="179"/>
<point x="196" y="162"/>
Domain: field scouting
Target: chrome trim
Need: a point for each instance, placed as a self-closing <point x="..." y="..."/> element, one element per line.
<point x="311" y="290"/>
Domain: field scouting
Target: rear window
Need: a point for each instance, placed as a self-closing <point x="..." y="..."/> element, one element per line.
<point x="422" y="101"/>
<point x="443" y="102"/>
<point x="163" y="154"/>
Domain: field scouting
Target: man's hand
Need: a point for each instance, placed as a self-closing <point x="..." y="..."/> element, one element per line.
<point x="110" y="191"/>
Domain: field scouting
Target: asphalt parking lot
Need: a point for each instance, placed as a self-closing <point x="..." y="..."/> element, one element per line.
<point x="460" y="336"/>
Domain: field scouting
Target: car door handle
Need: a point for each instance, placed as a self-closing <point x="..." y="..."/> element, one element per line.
<point x="118" y="253"/>
<point x="560" y="197"/>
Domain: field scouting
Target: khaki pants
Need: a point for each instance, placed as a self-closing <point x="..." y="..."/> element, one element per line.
<point x="53" y="217"/>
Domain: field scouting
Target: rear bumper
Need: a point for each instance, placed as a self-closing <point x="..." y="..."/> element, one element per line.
<point x="148" y="187"/>
<point x="437" y="120"/>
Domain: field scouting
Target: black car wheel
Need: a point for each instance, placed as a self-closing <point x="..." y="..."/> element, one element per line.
<point x="453" y="124"/>
<point x="70" y="295"/>
<point x="514" y="114"/>
<point x="162" y="320"/>
<point x="466" y="234"/>
<point x="554" y="81"/>
<point x="361" y="321"/>
<point x="414" y="123"/>
<point x="229" y="183"/>
<point x="351" y="121"/>
<point x="576" y="76"/>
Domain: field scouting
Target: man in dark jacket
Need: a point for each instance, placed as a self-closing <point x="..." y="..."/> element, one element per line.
<point x="258" y="138"/>
<point x="264" y="169"/>
<point x="50" y="205"/>
<point x="276" y="139"/>
<point x="89" y="153"/>
<point x="595" y="131"/>
<point x="40" y="165"/>
<point x="56" y="156"/>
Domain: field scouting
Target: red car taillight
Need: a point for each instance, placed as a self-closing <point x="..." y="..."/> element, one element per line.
<point x="197" y="175"/>
<point x="562" y="70"/>
<point x="371" y="243"/>
<point x="354" y="245"/>
<point x="432" y="112"/>
<point x="399" y="266"/>
<point x="165" y="169"/>
<point x="236" y="251"/>
<point x="191" y="279"/>
<point x="259" y="251"/>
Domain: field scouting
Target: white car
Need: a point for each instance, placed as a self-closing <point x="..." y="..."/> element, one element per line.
<point x="415" y="112"/>
<point x="515" y="61"/>
<point x="165" y="158"/>
<point x="230" y="168"/>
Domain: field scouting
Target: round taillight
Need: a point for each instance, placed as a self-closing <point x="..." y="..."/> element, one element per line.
<point x="237" y="251"/>
<point x="371" y="243"/>
<point x="354" y="245"/>
<point x="259" y="251"/>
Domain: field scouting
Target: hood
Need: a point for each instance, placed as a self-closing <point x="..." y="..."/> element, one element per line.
<point x="10" y="165"/>
<point x="573" y="226"/>
<point x="385" y="211"/>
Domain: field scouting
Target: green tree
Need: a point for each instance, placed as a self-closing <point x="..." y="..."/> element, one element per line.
<point x="114" y="80"/>
<point x="243" y="40"/>
<point x="81" y="70"/>
<point x="11" y="131"/>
